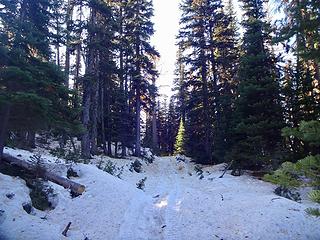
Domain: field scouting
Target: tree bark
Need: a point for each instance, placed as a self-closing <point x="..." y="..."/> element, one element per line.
<point x="138" y="98"/>
<point x="94" y="117"/>
<point x="102" y="119"/>
<point x="87" y="94"/>
<point x="31" y="139"/>
<point x="66" y="183"/>
<point x="207" y="131"/>
<point x="68" y="47"/>
<point x="85" y="141"/>
<point x="154" y="122"/>
<point x="4" y="119"/>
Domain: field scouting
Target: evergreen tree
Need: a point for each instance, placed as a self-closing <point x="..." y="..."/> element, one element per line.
<point x="301" y="76"/>
<point x="139" y="29"/>
<point x="258" y="114"/>
<point x="32" y="94"/>
<point x="179" y="87"/>
<point x="179" y="146"/>
<point x="227" y="67"/>
<point x="98" y="80"/>
<point x="199" y="18"/>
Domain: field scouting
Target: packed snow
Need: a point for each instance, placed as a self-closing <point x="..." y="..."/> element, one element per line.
<point x="176" y="203"/>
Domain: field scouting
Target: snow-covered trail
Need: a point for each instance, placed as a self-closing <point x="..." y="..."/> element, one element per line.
<point x="175" y="205"/>
<point x="155" y="214"/>
<point x="214" y="208"/>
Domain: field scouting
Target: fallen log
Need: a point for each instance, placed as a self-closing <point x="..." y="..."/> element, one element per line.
<point x="41" y="172"/>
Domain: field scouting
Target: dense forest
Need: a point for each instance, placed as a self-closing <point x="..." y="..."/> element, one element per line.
<point x="86" y="70"/>
<point x="92" y="147"/>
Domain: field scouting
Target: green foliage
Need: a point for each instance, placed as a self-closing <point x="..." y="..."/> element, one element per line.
<point x="290" y="174"/>
<point x="286" y="175"/>
<point x="30" y="84"/>
<point x="66" y="154"/>
<point x="180" y="140"/>
<point x="110" y="167"/>
<point x="257" y="118"/>
<point x="136" y="166"/>
<point x="41" y="195"/>
<point x="308" y="132"/>
<point x="310" y="167"/>
<point x="313" y="211"/>
<point x="315" y="196"/>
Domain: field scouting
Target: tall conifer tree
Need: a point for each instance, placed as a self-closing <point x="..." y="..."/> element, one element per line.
<point x="258" y="114"/>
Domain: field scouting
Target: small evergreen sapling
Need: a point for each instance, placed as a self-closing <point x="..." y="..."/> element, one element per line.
<point x="292" y="175"/>
<point x="180" y="140"/>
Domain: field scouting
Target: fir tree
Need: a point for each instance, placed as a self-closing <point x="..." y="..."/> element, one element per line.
<point x="227" y="67"/>
<point x="31" y="87"/>
<point x="196" y="37"/>
<point x="258" y="114"/>
<point x="139" y="30"/>
<point x="179" y="146"/>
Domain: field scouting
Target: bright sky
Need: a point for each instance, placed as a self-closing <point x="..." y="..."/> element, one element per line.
<point x="166" y="20"/>
<point x="166" y="24"/>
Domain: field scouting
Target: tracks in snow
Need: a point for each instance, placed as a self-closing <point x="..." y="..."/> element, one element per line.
<point x="155" y="218"/>
<point x="142" y="220"/>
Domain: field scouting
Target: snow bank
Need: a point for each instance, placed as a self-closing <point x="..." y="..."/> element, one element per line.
<point x="97" y="214"/>
<point x="175" y="204"/>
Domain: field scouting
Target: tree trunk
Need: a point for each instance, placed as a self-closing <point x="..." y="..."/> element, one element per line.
<point x="94" y="117"/>
<point x="116" y="149"/>
<point x="154" y="122"/>
<point x="102" y="119"/>
<point x="66" y="183"/>
<point x="207" y="125"/>
<point x="138" y="98"/>
<point x="108" y="117"/>
<point x="123" y="129"/>
<point x="87" y="94"/>
<point x="85" y="141"/>
<point x="109" y="149"/>
<point x="4" y="119"/>
<point x="31" y="139"/>
<point x="68" y="47"/>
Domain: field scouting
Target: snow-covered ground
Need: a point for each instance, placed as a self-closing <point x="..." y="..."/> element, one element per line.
<point x="175" y="205"/>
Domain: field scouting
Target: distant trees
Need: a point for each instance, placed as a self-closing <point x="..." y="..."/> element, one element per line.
<point x="86" y="69"/>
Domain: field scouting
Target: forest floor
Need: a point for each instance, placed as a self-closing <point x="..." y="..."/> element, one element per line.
<point x="178" y="203"/>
